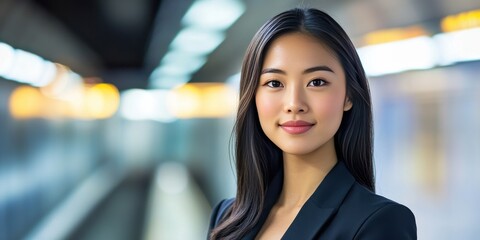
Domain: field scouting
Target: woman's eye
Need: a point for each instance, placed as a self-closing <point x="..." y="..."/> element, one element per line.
<point x="274" y="84"/>
<point x="317" y="83"/>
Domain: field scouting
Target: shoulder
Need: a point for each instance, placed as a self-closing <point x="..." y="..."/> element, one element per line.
<point x="380" y="217"/>
<point x="219" y="211"/>
<point x="392" y="221"/>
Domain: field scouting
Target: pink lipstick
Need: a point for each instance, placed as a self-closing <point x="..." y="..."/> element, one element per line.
<point x="296" y="127"/>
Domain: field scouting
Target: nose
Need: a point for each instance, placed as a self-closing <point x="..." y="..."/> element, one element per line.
<point x="295" y="101"/>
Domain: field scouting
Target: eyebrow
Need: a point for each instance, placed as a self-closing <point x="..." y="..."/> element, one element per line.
<point x="308" y="70"/>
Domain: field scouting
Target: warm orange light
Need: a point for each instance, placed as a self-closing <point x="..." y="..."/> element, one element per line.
<point x="461" y="21"/>
<point x="202" y="100"/>
<point x="26" y="102"/>
<point x="87" y="102"/>
<point x="101" y="101"/>
<point x="394" y="34"/>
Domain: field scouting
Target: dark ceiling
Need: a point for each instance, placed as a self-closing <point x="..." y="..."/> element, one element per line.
<point x="118" y="31"/>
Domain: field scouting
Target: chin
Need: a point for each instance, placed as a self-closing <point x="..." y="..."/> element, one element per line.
<point x="298" y="150"/>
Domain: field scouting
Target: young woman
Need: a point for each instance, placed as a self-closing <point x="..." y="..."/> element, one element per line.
<point x="304" y="140"/>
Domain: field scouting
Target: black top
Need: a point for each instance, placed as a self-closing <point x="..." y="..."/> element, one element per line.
<point x="340" y="208"/>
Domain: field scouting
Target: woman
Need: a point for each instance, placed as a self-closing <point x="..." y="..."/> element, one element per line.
<point x="304" y="140"/>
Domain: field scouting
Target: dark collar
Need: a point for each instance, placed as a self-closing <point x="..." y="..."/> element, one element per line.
<point x="322" y="205"/>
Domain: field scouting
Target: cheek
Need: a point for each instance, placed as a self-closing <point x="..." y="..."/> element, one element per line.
<point x="330" y="107"/>
<point x="266" y="107"/>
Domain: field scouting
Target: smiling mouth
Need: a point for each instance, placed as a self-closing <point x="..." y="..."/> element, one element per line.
<point x="296" y="127"/>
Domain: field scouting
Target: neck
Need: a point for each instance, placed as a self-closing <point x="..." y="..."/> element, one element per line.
<point x="303" y="174"/>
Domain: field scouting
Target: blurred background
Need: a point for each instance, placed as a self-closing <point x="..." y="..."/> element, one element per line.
<point x="116" y="116"/>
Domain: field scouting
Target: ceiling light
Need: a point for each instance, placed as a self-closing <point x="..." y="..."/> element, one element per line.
<point x="175" y="69"/>
<point x="168" y="82"/>
<point x="213" y="14"/>
<point x="7" y="54"/>
<point x="458" y="46"/>
<point x="399" y="56"/>
<point x="26" y="67"/>
<point x="47" y="76"/>
<point x="197" y="41"/>
<point x="181" y="63"/>
<point x="153" y="102"/>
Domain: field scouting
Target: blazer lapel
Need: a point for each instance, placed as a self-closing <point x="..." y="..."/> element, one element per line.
<point x="322" y="205"/>
<point x="318" y="209"/>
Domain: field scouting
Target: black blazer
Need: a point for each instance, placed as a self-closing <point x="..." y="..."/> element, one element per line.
<point x="340" y="208"/>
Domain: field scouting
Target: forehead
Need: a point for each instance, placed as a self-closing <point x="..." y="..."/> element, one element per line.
<point x="299" y="48"/>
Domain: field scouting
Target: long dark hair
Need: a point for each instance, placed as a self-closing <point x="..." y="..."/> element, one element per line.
<point x="257" y="158"/>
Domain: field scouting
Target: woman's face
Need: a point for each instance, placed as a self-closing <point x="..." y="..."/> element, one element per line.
<point x="301" y="94"/>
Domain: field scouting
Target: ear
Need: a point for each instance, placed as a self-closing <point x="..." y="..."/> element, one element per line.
<point x="347" y="105"/>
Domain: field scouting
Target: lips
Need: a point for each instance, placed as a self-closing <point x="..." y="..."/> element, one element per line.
<point x="296" y="127"/>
